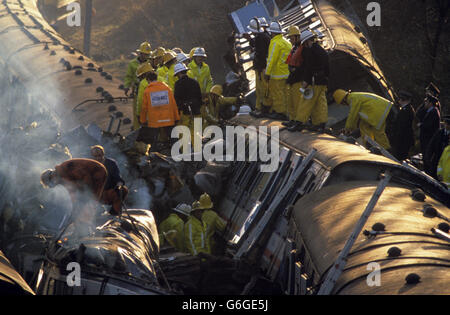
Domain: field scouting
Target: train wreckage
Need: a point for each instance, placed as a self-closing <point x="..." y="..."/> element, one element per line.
<point x="285" y="229"/>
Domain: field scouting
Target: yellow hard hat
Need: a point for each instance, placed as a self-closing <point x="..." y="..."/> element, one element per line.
<point x="169" y="55"/>
<point x="144" y="68"/>
<point x="293" y="31"/>
<point x="205" y="201"/>
<point x="191" y="53"/>
<point x="339" y="95"/>
<point x="217" y="89"/>
<point x="159" y="52"/>
<point x="196" y="205"/>
<point x="145" y="48"/>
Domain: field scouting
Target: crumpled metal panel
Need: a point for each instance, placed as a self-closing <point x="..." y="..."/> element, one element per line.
<point x="10" y="281"/>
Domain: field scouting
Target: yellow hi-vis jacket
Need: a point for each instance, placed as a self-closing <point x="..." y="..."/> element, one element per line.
<point x="369" y="107"/>
<point x="202" y="75"/>
<point x="130" y="77"/>
<point x="195" y="238"/>
<point x="167" y="75"/>
<point x="279" y="50"/>
<point x="213" y="223"/>
<point x="172" y="230"/>
<point x="142" y="86"/>
<point x="443" y="169"/>
<point x="210" y="111"/>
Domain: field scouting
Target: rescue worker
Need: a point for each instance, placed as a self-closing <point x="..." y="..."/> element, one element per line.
<point x="437" y="145"/>
<point x="188" y="96"/>
<point x="131" y="81"/>
<point x="401" y="135"/>
<point x="115" y="191"/>
<point x="183" y="58"/>
<point x="159" y="111"/>
<point x="158" y="57"/>
<point x="260" y="45"/>
<point x="195" y="232"/>
<point x="216" y="104"/>
<point x="172" y="228"/>
<point x="166" y="72"/>
<point x="433" y="90"/>
<point x="443" y="169"/>
<point x="294" y="81"/>
<point x="215" y="225"/>
<point x="315" y="75"/>
<point x="200" y="71"/>
<point x="429" y="123"/>
<point x="277" y="72"/>
<point x="369" y="112"/>
<point x="84" y="179"/>
<point x="142" y="73"/>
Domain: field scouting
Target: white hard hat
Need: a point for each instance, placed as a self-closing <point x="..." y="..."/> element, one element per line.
<point x="179" y="67"/>
<point x="263" y="22"/>
<point x="182" y="57"/>
<point x="199" y="52"/>
<point x="305" y="35"/>
<point x="254" y="26"/>
<point x="275" y="28"/>
<point x="183" y="209"/>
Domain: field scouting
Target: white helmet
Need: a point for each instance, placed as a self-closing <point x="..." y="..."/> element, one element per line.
<point x="183" y="209"/>
<point x="263" y="22"/>
<point x="305" y="35"/>
<point x="182" y="57"/>
<point x="275" y="28"/>
<point x="254" y="26"/>
<point x="199" y="52"/>
<point x="179" y="67"/>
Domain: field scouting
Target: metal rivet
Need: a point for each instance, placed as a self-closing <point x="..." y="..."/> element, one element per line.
<point x="412" y="278"/>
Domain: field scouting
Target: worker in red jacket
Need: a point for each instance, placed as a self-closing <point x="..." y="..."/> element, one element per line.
<point x="84" y="179"/>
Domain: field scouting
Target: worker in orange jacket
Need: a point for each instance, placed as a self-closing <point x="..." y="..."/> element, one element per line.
<point x="159" y="110"/>
<point x="84" y="179"/>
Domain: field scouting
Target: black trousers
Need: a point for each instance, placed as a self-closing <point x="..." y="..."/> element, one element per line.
<point x="151" y="135"/>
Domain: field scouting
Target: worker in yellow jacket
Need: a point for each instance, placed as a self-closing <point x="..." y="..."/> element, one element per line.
<point x="141" y="73"/>
<point x="277" y="71"/>
<point x="214" y="224"/>
<point x="195" y="232"/>
<point x="166" y="72"/>
<point x="200" y="71"/>
<point x="216" y="103"/>
<point x="172" y="228"/>
<point x="367" y="110"/>
<point x="443" y="170"/>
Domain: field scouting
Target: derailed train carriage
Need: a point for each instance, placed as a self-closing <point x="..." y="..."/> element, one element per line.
<point x="285" y="229"/>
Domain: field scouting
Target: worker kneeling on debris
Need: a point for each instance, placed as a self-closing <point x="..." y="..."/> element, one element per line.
<point x="172" y="228"/>
<point x="217" y="103"/>
<point x="159" y="110"/>
<point x="115" y="191"/>
<point x="368" y="110"/>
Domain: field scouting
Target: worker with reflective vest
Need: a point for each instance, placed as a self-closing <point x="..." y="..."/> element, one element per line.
<point x="141" y="73"/>
<point x="158" y="57"/>
<point x="200" y="71"/>
<point x="443" y="169"/>
<point x="277" y="71"/>
<point x="166" y="72"/>
<point x="172" y="228"/>
<point x="214" y="224"/>
<point x="195" y="232"/>
<point x="216" y="103"/>
<point x="159" y="110"/>
<point x="131" y="80"/>
<point x="369" y="112"/>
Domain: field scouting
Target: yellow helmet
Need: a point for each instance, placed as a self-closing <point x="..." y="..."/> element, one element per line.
<point x="159" y="52"/>
<point x="217" y="89"/>
<point x="196" y="205"/>
<point x="169" y="55"/>
<point x="145" y="48"/>
<point x="191" y="53"/>
<point x="293" y="31"/>
<point x="205" y="201"/>
<point x="339" y="95"/>
<point x="144" y="68"/>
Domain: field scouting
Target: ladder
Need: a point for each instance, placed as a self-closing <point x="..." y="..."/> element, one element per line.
<point x="337" y="268"/>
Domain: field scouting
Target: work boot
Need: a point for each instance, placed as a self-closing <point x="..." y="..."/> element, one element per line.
<point x="297" y="126"/>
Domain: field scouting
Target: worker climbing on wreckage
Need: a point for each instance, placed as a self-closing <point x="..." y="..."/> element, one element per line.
<point x="84" y="179"/>
<point x="115" y="191"/>
<point x="214" y="224"/>
<point x="368" y="111"/>
<point x="217" y="104"/>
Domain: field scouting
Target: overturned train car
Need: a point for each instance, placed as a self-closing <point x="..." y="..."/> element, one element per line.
<point x="293" y="223"/>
